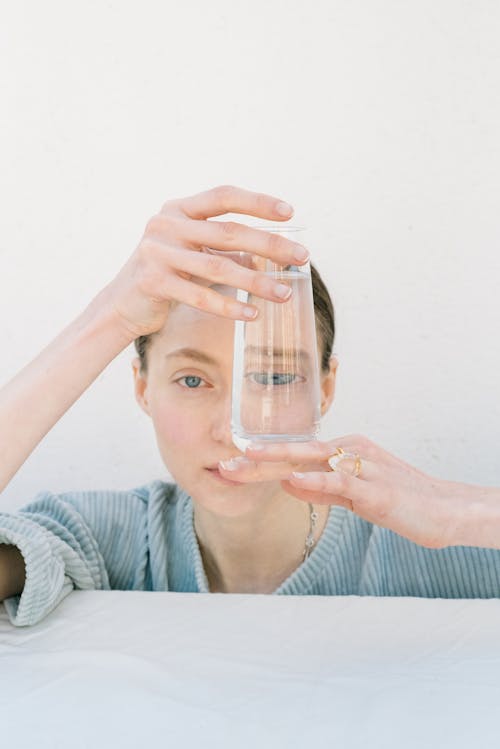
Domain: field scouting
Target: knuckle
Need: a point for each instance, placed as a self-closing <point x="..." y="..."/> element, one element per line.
<point x="216" y="264"/>
<point x="152" y="253"/>
<point x="155" y="225"/>
<point x="201" y="298"/>
<point x="342" y="482"/>
<point x="228" y="308"/>
<point x="150" y="227"/>
<point x="147" y="282"/>
<point x="273" y="243"/>
<point x="225" y="195"/>
<point x="325" y="450"/>
<point x="147" y="250"/>
<point x="324" y="484"/>
<point x="256" y="283"/>
<point x="321" y="449"/>
<point x="228" y="230"/>
<point x="168" y="206"/>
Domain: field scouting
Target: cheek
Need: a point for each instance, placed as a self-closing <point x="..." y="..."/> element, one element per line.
<point x="175" y="428"/>
<point x="180" y="443"/>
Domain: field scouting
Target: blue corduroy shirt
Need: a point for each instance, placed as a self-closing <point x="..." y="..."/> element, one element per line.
<point x="144" y="539"/>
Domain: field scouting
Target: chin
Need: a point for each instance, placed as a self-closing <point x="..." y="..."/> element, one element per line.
<point x="232" y="502"/>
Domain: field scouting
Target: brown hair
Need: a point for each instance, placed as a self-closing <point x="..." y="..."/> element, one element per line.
<point x="323" y="313"/>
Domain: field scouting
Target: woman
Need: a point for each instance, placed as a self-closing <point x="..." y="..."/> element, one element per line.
<point x="223" y="526"/>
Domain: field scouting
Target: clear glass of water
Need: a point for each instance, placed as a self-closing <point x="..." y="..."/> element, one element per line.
<point x="276" y="391"/>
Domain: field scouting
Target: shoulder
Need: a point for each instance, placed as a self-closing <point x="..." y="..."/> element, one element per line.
<point x="139" y="500"/>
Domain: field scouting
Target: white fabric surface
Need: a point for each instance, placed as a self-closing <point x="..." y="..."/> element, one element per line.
<point x="138" y="669"/>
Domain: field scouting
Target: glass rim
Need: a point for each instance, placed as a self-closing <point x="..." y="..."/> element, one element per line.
<point x="278" y="227"/>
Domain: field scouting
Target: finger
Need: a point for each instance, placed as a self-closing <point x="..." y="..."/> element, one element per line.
<point x="316" y="455"/>
<point x="231" y="199"/>
<point x="232" y="236"/>
<point x="314" y="450"/>
<point x="337" y="483"/>
<point x="244" y="470"/>
<point x="208" y="300"/>
<point x="352" y="464"/>
<point x="292" y="452"/>
<point x="222" y="270"/>
<point x="313" y="498"/>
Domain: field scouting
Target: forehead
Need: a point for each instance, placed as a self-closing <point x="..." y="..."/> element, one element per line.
<point x="187" y="327"/>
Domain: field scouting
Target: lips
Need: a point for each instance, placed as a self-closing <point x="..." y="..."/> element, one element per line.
<point x="215" y="466"/>
<point x="214" y="471"/>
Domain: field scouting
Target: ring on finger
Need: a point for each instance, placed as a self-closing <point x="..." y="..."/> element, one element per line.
<point x="339" y="455"/>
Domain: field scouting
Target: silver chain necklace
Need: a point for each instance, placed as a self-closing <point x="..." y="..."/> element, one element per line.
<point x="313" y="517"/>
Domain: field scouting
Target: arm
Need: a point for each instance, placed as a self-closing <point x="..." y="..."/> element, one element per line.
<point x="12" y="572"/>
<point x="137" y="302"/>
<point x="387" y="492"/>
<point x="36" y="398"/>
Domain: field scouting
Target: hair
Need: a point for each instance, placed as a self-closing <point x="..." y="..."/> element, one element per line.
<point x="323" y="314"/>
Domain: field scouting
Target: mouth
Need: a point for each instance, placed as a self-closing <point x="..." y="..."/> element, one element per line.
<point x="217" y="475"/>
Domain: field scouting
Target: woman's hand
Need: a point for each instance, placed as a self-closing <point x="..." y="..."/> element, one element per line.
<point x="387" y="491"/>
<point x="171" y="261"/>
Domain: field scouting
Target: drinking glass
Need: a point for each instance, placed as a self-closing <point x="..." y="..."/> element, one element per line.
<point x="276" y="391"/>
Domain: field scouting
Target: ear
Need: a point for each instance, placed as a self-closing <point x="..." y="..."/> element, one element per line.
<point x="140" y="386"/>
<point x="328" y="385"/>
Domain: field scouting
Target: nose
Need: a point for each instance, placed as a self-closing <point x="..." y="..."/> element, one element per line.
<point x="221" y="422"/>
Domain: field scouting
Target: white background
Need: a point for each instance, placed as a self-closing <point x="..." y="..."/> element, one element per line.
<point x="379" y="120"/>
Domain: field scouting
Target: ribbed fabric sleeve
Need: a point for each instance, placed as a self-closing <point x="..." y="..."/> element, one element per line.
<point x="59" y="552"/>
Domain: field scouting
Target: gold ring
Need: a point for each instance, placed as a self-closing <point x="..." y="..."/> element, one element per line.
<point x="339" y="455"/>
<point x="357" y="466"/>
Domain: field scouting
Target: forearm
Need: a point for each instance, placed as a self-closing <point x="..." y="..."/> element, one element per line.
<point x="475" y="515"/>
<point x="36" y="398"/>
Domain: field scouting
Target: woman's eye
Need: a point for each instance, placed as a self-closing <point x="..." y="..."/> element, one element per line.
<point x="274" y="378"/>
<point x="192" y="381"/>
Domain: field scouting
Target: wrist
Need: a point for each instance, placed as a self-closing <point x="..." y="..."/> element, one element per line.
<point x="102" y="314"/>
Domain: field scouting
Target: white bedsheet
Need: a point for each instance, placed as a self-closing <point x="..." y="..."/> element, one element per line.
<point x="134" y="669"/>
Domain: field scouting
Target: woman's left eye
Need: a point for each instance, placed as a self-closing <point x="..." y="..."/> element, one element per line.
<point x="274" y="378"/>
<point x="192" y="381"/>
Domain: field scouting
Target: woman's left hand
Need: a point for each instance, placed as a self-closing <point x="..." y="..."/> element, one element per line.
<point x="387" y="491"/>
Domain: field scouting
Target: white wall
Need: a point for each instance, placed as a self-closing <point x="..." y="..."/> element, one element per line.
<point x="378" y="119"/>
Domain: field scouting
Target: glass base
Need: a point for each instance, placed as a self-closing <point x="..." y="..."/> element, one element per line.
<point x="242" y="441"/>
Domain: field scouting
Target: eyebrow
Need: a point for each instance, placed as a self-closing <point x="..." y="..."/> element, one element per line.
<point x="200" y="356"/>
<point x="278" y="353"/>
<point x="191" y="353"/>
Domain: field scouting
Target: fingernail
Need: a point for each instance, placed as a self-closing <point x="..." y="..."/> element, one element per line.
<point x="301" y="253"/>
<point x="249" y="313"/>
<point x="230" y="465"/>
<point x="298" y="475"/>
<point x="284" y="209"/>
<point x="282" y="291"/>
<point x="256" y="446"/>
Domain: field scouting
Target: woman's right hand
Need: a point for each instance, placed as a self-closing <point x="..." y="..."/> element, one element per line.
<point x="170" y="256"/>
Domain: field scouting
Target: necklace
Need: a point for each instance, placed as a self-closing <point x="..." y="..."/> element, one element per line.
<point x="313" y="517"/>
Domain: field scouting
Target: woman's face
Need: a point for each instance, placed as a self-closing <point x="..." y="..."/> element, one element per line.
<point x="187" y="393"/>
